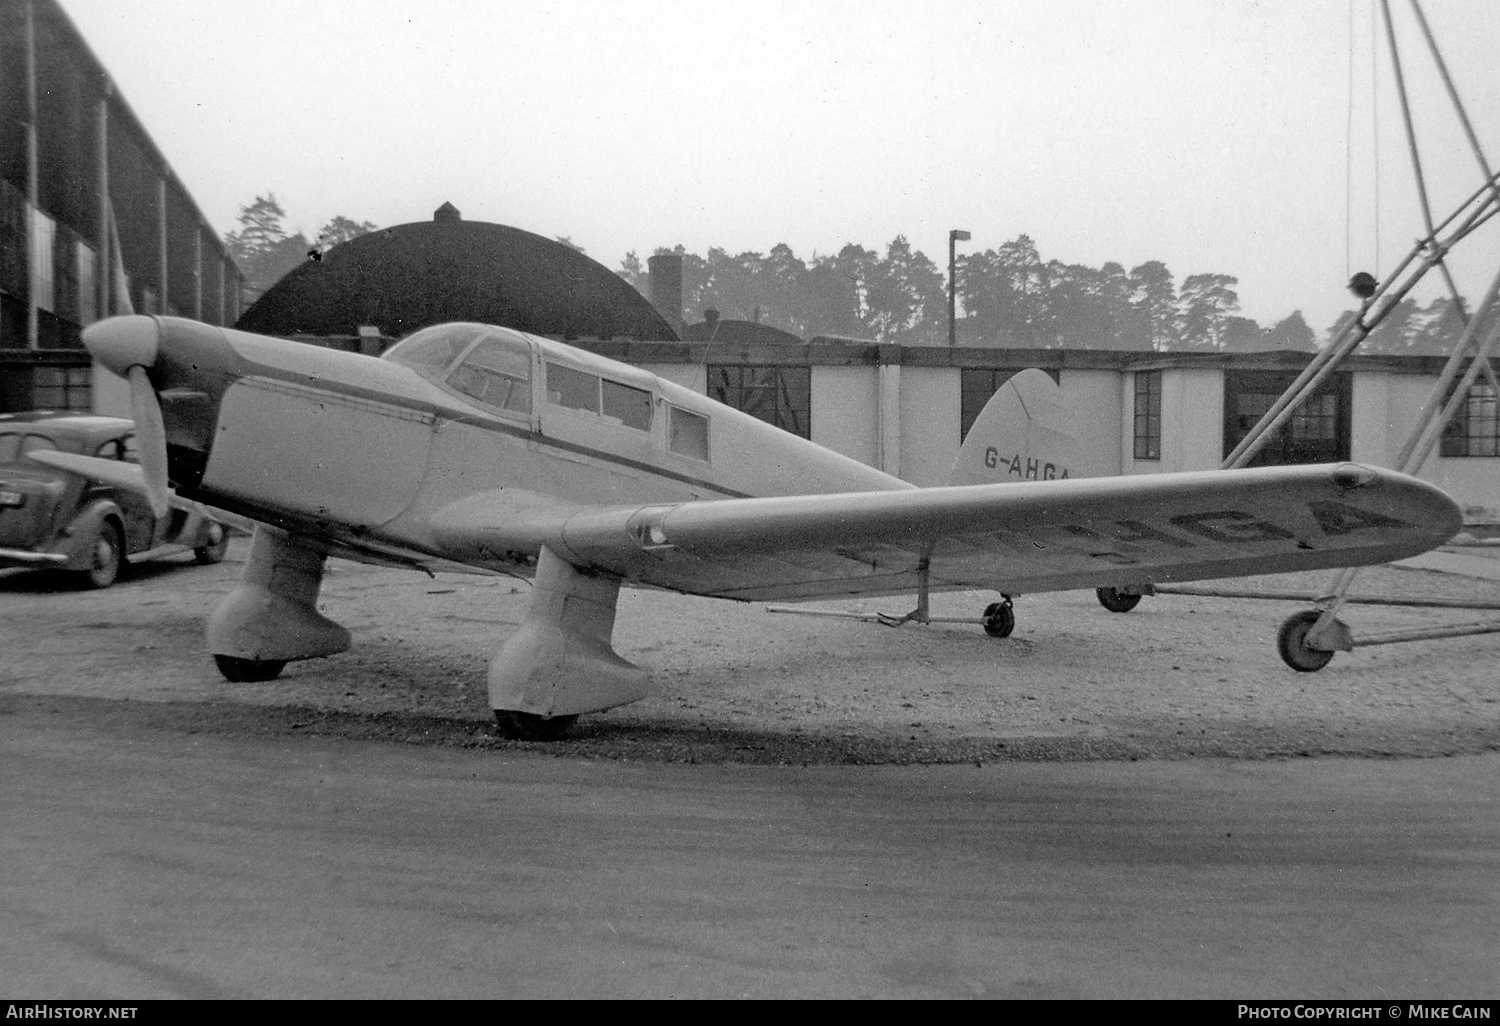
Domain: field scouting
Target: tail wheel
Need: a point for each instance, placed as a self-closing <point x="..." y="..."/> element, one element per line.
<point x="106" y="557"/>
<point x="999" y="619"/>
<point x="1291" y="642"/>
<point x="1117" y="601"/>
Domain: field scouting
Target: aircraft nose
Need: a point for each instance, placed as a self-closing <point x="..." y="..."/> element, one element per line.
<point x="121" y="343"/>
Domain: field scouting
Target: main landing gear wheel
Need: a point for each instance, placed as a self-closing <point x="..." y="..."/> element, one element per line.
<point x="1291" y="642"/>
<point x="999" y="619"/>
<point x="249" y="671"/>
<point x="1117" y="601"/>
<point x="213" y="549"/>
<point x="521" y="726"/>
<point x="106" y="557"/>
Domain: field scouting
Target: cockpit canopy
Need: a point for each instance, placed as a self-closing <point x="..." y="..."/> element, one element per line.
<point x="490" y="365"/>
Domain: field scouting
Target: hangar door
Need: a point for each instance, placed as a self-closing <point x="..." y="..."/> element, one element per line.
<point x="1317" y="433"/>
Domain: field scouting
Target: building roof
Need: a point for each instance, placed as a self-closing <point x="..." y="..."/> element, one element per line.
<point x="447" y="269"/>
<point x="826" y="351"/>
<point x="726" y="331"/>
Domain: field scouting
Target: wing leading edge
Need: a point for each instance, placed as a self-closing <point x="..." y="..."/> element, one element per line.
<point x="1016" y="538"/>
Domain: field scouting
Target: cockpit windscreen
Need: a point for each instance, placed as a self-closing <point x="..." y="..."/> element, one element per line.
<point x="488" y="365"/>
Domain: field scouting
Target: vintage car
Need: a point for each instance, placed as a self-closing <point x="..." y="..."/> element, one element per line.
<point x="52" y="518"/>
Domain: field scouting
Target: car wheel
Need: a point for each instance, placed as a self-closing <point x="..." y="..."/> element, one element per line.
<point x="216" y="544"/>
<point x="106" y="556"/>
<point x="1116" y="600"/>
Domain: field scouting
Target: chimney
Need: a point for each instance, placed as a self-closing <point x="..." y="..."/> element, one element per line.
<point x="666" y="288"/>
<point x="447" y="212"/>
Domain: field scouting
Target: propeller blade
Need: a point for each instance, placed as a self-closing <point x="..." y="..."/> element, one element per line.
<point x="120" y="285"/>
<point x="151" y="432"/>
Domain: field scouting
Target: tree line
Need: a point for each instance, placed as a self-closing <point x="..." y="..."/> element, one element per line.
<point x="265" y="251"/>
<point x="1008" y="296"/>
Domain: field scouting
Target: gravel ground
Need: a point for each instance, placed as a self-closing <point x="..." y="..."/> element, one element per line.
<point x="1179" y="677"/>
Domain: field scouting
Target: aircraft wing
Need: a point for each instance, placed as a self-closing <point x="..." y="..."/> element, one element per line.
<point x="1014" y="538"/>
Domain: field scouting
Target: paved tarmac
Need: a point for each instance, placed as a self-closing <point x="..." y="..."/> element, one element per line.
<point x="1481" y="561"/>
<point x="146" y="857"/>
<point x="146" y="861"/>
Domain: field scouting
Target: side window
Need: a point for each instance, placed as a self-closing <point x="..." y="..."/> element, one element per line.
<point x="132" y="449"/>
<point x="631" y="405"/>
<point x="575" y="389"/>
<point x="496" y="373"/>
<point x="579" y="390"/>
<point x="36" y="443"/>
<point x="687" y="434"/>
<point x="111" y="450"/>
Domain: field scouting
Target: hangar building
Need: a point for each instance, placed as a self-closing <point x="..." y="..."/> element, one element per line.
<point x="399" y="279"/>
<point x="84" y="191"/>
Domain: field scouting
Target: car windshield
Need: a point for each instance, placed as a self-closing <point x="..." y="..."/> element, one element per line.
<point x="14" y="445"/>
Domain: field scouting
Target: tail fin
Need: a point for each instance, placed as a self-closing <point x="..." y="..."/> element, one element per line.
<point x="1022" y="434"/>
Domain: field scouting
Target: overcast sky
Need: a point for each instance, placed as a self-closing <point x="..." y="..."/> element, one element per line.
<point x="1209" y="134"/>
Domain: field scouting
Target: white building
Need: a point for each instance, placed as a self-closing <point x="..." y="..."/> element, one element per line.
<point x="905" y="409"/>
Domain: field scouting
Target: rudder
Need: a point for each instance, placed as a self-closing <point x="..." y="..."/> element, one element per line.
<point x="1022" y="434"/>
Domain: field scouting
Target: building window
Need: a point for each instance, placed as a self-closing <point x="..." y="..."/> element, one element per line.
<point x="1475" y="427"/>
<point x="13" y="255"/>
<point x="43" y="238"/>
<point x="62" y="388"/>
<point x="88" y="297"/>
<point x="1147" y="415"/>
<point x="1317" y="432"/>
<point x="776" y="395"/>
<point x="65" y="284"/>
<point x="976" y="386"/>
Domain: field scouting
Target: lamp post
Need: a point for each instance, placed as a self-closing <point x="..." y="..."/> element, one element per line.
<point x="955" y="236"/>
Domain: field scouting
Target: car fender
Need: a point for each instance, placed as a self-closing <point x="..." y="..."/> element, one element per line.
<point x="77" y="538"/>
